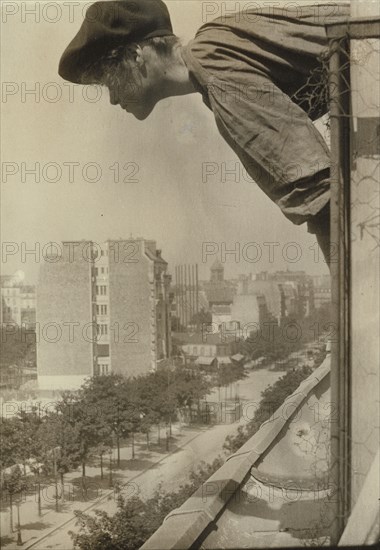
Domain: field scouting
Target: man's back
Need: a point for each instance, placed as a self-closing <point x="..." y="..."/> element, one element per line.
<point x="283" y="45"/>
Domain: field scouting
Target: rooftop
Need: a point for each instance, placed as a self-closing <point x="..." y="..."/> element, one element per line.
<point x="205" y="338"/>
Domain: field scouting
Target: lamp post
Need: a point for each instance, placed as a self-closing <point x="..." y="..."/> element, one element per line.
<point x="19" y="539"/>
<point x="55" y="479"/>
<point x="110" y="468"/>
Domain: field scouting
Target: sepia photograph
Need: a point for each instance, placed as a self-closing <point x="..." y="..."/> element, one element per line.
<point x="190" y="288"/>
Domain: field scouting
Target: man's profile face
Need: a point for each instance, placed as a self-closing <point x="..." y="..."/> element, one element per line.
<point x="134" y="90"/>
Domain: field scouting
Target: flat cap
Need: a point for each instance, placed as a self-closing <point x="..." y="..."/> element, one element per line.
<point x="109" y="24"/>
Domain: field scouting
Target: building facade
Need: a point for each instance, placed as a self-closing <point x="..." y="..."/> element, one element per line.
<point x="322" y="290"/>
<point x="209" y="346"/>
<point x="110" y="305"/>
<point x="18" y="302"/>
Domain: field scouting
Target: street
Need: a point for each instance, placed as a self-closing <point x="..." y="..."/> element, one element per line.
<point x="149" y="471"/>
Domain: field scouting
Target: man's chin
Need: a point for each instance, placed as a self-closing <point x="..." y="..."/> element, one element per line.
<point x="142" y="114"/>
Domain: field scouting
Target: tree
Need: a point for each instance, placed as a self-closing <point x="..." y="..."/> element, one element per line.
<point x="14" y="483"/>
<point x="136" y="519"/>
<point x="62" y="437"/>
<point x="202" y="318"/>
<point x="155" y="400"/>
<point x="110" y="398"/>
<point x="33" y="448"/>
<point x="10" y="442"/>
<point x="81" y="428"/>
<point x="271" y="399"/>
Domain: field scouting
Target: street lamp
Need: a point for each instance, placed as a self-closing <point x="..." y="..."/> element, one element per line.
<point x="19" y="539"/>
<point x="110" y="468"/>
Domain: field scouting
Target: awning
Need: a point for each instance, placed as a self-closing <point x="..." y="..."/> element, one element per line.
<point x="224" y="361"/>
<point x="237" y="357"/>
<point x="205" y="360"/>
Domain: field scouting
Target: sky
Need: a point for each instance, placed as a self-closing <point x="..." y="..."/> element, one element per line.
<point x="103" y="174"/>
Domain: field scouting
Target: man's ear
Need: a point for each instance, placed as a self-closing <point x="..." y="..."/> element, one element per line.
<point x="138" y="55"/>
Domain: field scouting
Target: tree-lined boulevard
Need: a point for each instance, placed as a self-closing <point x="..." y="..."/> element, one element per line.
<point x="120" y="444"/>
<point x="76" y="449"/>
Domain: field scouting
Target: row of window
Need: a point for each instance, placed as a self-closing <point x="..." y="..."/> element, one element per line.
<point x="101" y="290"/>
<point x="102" y="309"/>
<point x="102" y="329"/>
<point x="102" y="369"/>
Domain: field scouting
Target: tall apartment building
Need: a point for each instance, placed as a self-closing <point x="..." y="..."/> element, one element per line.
<point x="101" y="309"/>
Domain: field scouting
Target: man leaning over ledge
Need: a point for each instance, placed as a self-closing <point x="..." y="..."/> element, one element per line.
<point x="256" y="70"/>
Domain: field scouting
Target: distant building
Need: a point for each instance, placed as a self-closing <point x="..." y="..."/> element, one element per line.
<point x="221" y="314"/>
<point x="245" y="310"/>
<point x="102" y="309"/>
<point x="297" y="288"/>
<point x="187" y="296"/>
<point x="205" y="348"/>
<point x="257" y="301"/>
<point x="275" y="296"/>
<point x="219" y="293"/>
<point x="18" y="302"/>
<point x="217" y="272"/>
<point x="322" y="290"/>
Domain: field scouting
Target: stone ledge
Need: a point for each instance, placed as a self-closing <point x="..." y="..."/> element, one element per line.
<point x="183" y="526"/>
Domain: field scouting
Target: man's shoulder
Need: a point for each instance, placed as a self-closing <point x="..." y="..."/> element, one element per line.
<point x="248" y="16"/>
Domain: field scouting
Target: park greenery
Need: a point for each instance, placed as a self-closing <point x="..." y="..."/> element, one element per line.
<point x="40" y="446"/>
<point x="136" y="519"/>
<point x="18" y="346"/>
<point x="275" y="342"/>
<point x="91" y="425"/>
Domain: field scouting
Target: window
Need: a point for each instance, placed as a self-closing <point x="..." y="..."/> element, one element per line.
<point x="101" y="290"/>
<point x="103" y="309"/>
<point x="102" y="270"/>
<point x="96" y="271"/>
<point x="102" y="330"/>
<point x="194" y="350"/>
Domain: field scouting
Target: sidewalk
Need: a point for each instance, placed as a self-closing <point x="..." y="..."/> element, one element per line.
<point x="188" y="447"/>
<point x="35" y="527"/>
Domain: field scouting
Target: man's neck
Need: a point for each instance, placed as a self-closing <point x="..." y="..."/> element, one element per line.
<point x="176" y="79"/>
